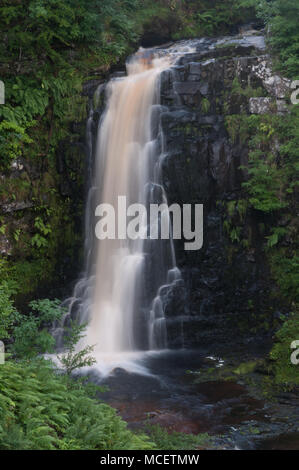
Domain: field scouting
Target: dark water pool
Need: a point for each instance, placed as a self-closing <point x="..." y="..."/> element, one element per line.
<point x="171" y="398"/>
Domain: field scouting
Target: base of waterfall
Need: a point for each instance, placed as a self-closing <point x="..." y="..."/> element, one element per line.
<point x="108" y="363"/>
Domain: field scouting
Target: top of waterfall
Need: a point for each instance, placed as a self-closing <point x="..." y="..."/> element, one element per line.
<point x="159" y="57"/>
<point x="167" y="54"/>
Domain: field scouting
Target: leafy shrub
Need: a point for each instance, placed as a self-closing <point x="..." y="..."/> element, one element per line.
<point x="42" y="410"/>
<point x="31" y="333"/>
<point x="72" y="359"/>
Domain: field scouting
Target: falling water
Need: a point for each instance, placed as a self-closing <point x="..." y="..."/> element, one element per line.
<point x="120" y="295"/>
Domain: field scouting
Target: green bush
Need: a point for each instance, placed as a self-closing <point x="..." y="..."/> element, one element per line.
<point x="72" y="359"/>
<point x="31" y="332"/>
<point x="40" y="409"/>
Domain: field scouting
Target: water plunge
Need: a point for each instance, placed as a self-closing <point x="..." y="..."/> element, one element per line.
<point x="119" y="296"/>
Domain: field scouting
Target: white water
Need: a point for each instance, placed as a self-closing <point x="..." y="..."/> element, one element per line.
<point x="125" y="161"/>
<point x="119" y="296"/>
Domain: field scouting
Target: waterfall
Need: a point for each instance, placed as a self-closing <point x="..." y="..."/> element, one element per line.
<point x="119" y="297"/>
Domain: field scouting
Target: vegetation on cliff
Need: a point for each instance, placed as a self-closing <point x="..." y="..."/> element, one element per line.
<point x="49" y="50"/>
<point x="271" y="190"/>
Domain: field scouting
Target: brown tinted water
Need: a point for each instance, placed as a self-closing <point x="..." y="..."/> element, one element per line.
<point x="171" y="398"/>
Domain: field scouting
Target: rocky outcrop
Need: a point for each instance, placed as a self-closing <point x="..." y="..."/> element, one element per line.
<point x="225" y="297"/>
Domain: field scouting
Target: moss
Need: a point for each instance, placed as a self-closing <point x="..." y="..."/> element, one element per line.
<point x="255" y="431"/>
<point x="245" y="368"/>
<point x="230" y="371"/>
<point x="226" y="45"/>
<point x="188" y="130"/>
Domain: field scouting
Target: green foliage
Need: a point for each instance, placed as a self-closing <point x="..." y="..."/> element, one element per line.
<point x="165" y="440"/>
<point x="180" y="19"/>
<point x="44" y="229"/>
<point x="272" y="175"/>
<point x="50" y="28"/>
<point x="245" y="368"/>
<point x="282" y="18"/>
<point x="277" y="234"/>
<point x="239" y="127"/>
<point x="42" y="410"/>
<point x="201" y="17"/>
<point x="234" y="217"/>
<point x="28" y="275"/>
<point x="286" y="373"/>
<point x="72" y="359"/>
<point x="205" y="105"/>
<point x="48" y="45"/>
<point x="8" y="312"/>
<point x="12" y="140"/>
<point x="248" y="92"/>
<point x="232" y="231"/>
<point x="266" y="182"/>
<point x="271" y="189"/>
<point x="285" y="269"/>
<point x="31" y="333"/>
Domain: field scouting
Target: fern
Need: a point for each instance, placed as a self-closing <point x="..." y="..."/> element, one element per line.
<point x="42" y="410"/>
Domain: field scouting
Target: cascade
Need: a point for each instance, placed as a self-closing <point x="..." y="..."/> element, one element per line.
<point x="119" y="296"/>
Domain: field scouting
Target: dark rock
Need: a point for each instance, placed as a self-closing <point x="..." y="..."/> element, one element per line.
<point x="186" y="88"/>
<point x="202" y="165"/>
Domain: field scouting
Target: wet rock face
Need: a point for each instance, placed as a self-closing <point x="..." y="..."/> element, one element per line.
<point x="202" y="164"/>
